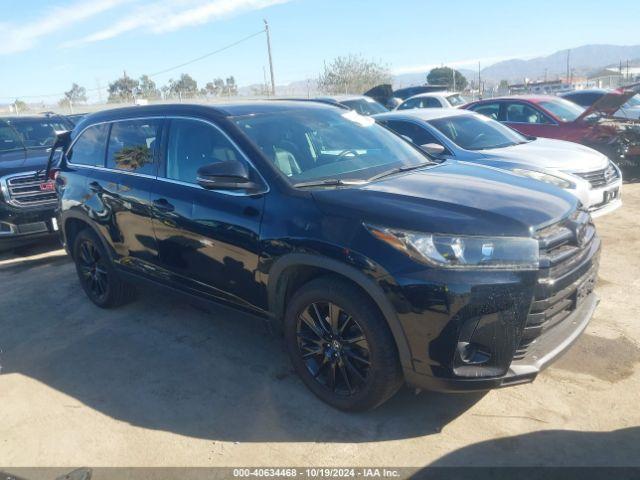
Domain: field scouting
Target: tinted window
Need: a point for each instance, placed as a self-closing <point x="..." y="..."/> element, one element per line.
<point x="132" y="146"/>
<point x="39" y="133"/>
<point x="523" y="113"/>
<point x="477" y="133"/>
<point x="584" y="99"/>
<point x="313" y="144"/>
<point x="415" y="133"/>
<point x="9" y="138"/>
<point x="194" y="144"/>
<point x="90" y="148"/>
<point x="409" y="104"/>
<point x="491" y="110"/>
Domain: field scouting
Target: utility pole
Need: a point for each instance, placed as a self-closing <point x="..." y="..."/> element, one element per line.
<point x="99" y="89"/>
<point x="568" y="64"/>
<point x="273" y="82"/>
<point x="479" y="83"/>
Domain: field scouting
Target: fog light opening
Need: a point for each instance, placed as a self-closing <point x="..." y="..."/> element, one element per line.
<point x="473" y="354"/>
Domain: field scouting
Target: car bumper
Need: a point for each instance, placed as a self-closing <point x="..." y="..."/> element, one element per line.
<point x="21" y="228"/>
<point x="547" y="349"/>
<point x="605" y="200"/>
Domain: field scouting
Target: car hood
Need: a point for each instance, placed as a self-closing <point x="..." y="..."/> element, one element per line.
<point x="548" y="153"/>
<point x="607" y="104"/>
<point x="453" y="198"/>
<point x="23" y="161"/>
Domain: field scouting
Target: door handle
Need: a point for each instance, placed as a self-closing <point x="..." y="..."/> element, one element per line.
<point x="163" y="205"/>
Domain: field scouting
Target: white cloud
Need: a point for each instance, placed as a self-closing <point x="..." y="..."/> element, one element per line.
<point x="170" y="15"/>
<point x="16" y="37"/>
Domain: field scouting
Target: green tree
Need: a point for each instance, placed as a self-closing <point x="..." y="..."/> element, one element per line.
<point x="445" y="76"/>
<point x="352" y="74"/>
<point x="123" y="89"/>
<point x="147" y="88"/>
<point x="231" y="88"/>
<point x="20" y="106"/>
<point x="185" y="86"/>
<point x="74" y="96"/>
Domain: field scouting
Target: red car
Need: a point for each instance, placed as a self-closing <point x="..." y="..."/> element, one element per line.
<point x="554" y="117"/>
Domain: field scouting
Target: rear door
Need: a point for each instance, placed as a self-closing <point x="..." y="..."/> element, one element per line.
<point x="208" y="240"/>
<point x="119" y="190"/>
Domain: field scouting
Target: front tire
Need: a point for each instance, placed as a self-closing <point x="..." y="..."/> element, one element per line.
<point x="341" y="346"/>
<point x="98" y="278"/>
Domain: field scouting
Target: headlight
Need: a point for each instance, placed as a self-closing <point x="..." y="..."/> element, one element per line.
<point x="462" y="252"/>
<point x="544" y="177"/>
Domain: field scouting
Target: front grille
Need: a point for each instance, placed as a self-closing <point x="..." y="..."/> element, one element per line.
<point x="568" y="271"/>
<point x="600" y="178"/>
<point x="24" y="190"/>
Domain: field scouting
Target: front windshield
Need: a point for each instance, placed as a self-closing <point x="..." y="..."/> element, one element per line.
<point x="309" y="145"/>
<point x="456" y="100"/>
<point x="37" y="133"/>
<point x="364" y="106"/>
<point x="477" y="133"/>
<point x="563" y="109"/>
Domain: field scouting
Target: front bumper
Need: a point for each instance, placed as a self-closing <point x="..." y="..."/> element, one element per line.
<point x="605" y="200"/>
<point x="547" y="349"/>
<point x="18" y="228"/>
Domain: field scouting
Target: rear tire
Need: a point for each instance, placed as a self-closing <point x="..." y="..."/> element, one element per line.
<point x="341" y="346"/>
<point x="96" y="273"/>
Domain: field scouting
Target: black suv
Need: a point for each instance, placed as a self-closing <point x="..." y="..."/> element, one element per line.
<point x="27" y="198"/>
<point x="379" y="265"/>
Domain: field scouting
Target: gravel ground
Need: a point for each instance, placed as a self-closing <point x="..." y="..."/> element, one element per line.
<point x="169" y="382"/>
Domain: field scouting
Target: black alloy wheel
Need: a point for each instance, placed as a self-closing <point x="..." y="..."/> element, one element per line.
<point x="341" y="345"/>
<point x="93" y="268"/>
<point x="334" y="348"/>
<point x="98" y="279"/>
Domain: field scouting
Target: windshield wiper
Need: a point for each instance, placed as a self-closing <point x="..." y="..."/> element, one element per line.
<point x="329" y="182"/>
<point x="396" y="170"/>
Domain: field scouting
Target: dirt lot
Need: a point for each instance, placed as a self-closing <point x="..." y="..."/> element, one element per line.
<point x="166" y="382"/>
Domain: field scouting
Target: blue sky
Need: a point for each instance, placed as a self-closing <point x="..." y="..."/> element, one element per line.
<point x="46" y="45"/>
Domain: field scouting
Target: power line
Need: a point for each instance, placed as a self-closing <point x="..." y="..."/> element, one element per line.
<point x="167" y="70"/>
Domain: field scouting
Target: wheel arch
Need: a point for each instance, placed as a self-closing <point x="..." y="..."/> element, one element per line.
<point x="287" y="270"/>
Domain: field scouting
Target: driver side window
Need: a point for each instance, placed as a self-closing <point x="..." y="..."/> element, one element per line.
<point x="193" y="144"/>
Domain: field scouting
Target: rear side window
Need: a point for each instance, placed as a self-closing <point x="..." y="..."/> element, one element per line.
<point x="193" y="144"/>
<point x="133" y="144"/>
<point x="491" y="110"/>
<point x="90" y="147"/>
<point x="522" y="113"/>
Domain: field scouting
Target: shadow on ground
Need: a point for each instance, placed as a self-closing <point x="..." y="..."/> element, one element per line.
<point x="168" y="363"/>
<point x="551" y="448"/>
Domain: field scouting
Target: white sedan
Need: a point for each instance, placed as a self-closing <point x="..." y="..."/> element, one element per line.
<point x="433" y="100"/>
<point x="466" y="136"/>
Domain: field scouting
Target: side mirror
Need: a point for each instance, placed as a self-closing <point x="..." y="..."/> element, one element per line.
<point x="227" y="175"/>
<point x="433" y="148"/>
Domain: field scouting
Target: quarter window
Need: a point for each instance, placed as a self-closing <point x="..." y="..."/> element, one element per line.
<point x="193" y="144"/>
<point x="415" y="133"/>
<point x="90" y="147"/>
<point x="132" y="146"/>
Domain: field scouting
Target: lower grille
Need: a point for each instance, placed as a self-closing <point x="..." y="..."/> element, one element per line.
<point x="569" y="267"/>
<point x="600" y="178"/>
<point x="30" y="189"/>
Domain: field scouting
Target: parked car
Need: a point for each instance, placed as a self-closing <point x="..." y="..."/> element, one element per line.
<point x="433" y="100"/>
<point x="27" y="198"/>
<point x="629" y="110"/>
<point x="390" y="98"/>
<point x="467" y="136"/>
<point x="380" y="265"/>
<point x="554" y="117"/>
<point x="360" y="103"/>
